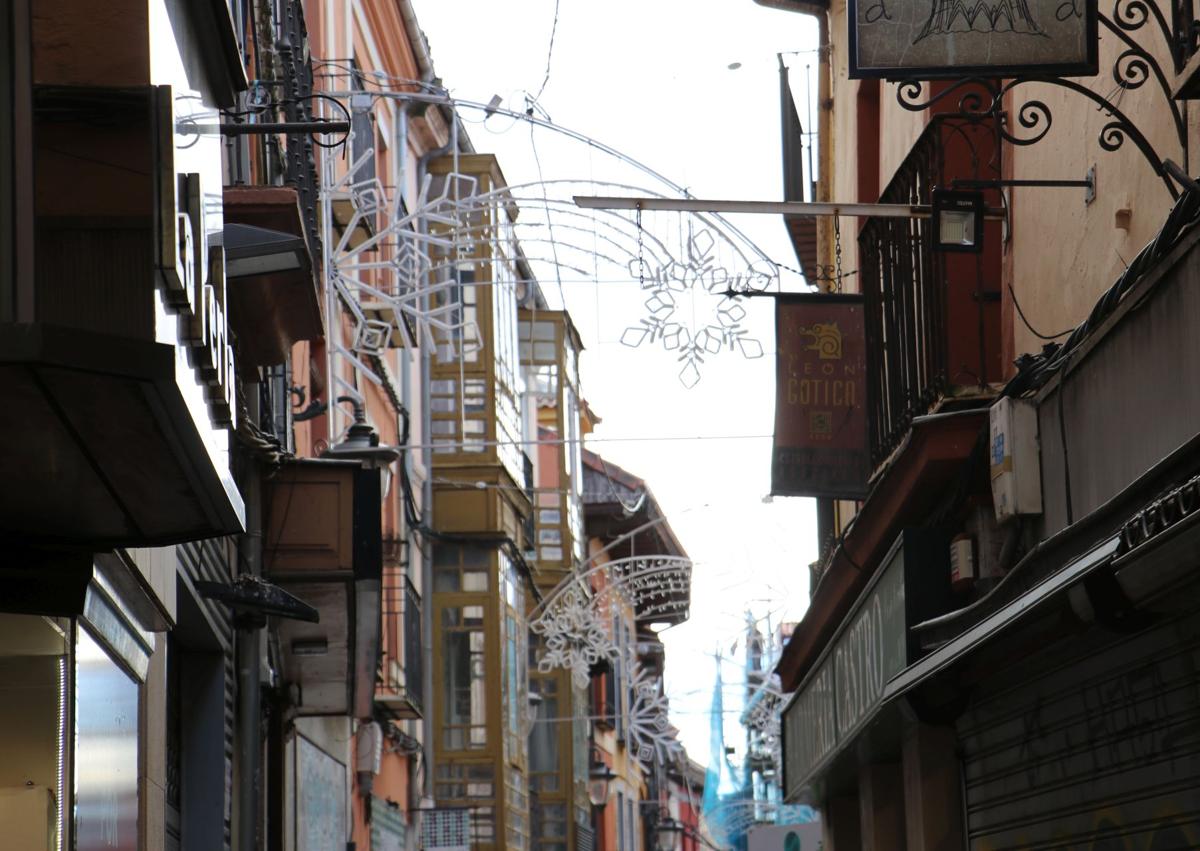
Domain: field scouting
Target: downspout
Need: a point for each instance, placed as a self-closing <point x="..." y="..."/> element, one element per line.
<point x="420" y="48"/>
<point x="249" y="653"/>
<point x="416" y="40"/>
<point x="427" y="748"/>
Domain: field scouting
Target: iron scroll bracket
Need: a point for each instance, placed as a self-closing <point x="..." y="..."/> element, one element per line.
<point x="982" y="99"/>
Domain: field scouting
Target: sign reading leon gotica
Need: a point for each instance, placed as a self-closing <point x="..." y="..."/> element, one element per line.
<point x="927" y="39"/>
<point x="821" y="446"/>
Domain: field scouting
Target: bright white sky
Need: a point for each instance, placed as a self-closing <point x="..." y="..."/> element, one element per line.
<point x="651" y="79"/>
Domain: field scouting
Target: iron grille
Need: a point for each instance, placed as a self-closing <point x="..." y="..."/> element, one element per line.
<point x="301" y="164"/>
<point x="274" y="403"/>
<point x="413" y="658"/>
<point x="402" y="670"/>
<point x="904" y="283"/>
<point x="1186" y="31"/>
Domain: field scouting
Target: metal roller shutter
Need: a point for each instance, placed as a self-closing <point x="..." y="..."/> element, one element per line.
<point x="1091" y="744"/>
<point x="212" y="560"/>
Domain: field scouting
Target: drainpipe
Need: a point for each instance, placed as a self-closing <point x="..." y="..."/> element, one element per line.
<point x="416" y="40"/>
<point x="425" y="64"/>
<point x="249" y="653"/>
<point x="427" y="511"/>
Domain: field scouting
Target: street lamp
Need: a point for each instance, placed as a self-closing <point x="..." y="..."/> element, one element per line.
<point x="666" y="829"/>
<point x="362" y="445"/>
<point x="600" y="776"/>
<point x="958" y="220"/>
<point x="251" y="250"/>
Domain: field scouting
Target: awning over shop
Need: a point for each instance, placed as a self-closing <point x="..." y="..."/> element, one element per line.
<point x="933" y="454"/>
<point x="842" y="715"/>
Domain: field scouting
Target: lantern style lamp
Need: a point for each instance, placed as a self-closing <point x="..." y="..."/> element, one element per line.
<point x="600" y="776"/>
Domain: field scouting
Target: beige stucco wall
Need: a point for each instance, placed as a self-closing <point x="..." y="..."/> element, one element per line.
<point x="1067" y="253"/>
<point x="840" y="145"/>
<point x="898" y="130"/>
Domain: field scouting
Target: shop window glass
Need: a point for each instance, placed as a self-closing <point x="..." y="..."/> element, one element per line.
<point x="106" y="751"/>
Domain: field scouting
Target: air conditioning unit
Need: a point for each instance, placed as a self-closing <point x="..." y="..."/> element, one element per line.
<point x="1016" y="459"/>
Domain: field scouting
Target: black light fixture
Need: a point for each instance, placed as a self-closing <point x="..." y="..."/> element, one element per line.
<point x="957" y="220"/>
<point x="251" y="250"/>
<point x="668" y="824"/>
<point x="362" y="443"/>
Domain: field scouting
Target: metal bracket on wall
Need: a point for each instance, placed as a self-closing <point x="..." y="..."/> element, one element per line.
<point x="982" y="99"/>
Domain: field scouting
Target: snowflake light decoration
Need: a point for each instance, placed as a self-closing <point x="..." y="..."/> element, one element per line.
<point x="398" y="281"/>
<point x="698" y="271"/>
<point x="575" y="638"/>
<point x="651" y="736"/>
<point x="573" y="619"/>
<point x="573" y="622"/>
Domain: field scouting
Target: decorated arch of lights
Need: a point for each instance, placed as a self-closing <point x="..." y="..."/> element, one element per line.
<point x="397" y="285"/>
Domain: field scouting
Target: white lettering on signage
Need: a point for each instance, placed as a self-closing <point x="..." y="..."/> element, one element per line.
<point x="196" y="289"/>
<point x="849" y="683"/>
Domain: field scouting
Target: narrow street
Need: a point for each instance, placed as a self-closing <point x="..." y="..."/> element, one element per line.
<point x="750" y="426"/>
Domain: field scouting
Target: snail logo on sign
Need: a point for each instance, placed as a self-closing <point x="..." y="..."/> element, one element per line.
<point x="928" y="39"/>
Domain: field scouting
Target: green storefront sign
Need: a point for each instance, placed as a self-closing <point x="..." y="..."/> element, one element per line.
<point x="843" y="690"/>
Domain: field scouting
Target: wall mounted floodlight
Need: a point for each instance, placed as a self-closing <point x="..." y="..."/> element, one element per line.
<point x="958" y="220"/>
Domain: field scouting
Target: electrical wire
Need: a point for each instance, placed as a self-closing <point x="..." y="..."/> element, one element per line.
<point x="1031" y="329"/>
<point x="474" y="446"/>
<point x="549" y="52"/>
<point x="374" y="77"/>
<point x="1035" y="371"/>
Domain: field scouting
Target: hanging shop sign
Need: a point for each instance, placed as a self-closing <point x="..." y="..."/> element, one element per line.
<point x="821" y="440"/>
<point x="929" y="39"/>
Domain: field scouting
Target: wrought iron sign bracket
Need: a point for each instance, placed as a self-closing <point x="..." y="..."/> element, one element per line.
<point x="981" y="99"/>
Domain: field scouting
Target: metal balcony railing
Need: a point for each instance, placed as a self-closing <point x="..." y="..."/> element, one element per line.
<point x="907" y="300"/>
<point x="402" y="670"/>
